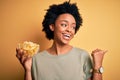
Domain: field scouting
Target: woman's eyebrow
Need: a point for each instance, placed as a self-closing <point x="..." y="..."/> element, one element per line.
<point x="66" y="21"/>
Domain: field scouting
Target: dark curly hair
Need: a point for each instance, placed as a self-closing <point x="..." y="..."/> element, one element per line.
<point x="54" y="11"/>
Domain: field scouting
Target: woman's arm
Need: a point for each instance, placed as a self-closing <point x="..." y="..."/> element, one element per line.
<point x="27" y="75"/>
<point x="96" y="76"/>
<point x="26" y="63"/>
<point x="97" y="56"/>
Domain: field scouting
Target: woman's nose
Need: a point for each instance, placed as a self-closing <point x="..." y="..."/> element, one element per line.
<point x="69" y="29"/>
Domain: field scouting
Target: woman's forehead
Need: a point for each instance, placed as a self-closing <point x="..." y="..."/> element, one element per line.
<point x="66" y="18"/>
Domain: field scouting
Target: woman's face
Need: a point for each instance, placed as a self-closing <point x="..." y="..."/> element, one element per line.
<point x="64" y="28"/>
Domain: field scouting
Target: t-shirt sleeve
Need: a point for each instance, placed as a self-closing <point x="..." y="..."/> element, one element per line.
<point x="88" y="67"/>
<point x="33" y="69"/>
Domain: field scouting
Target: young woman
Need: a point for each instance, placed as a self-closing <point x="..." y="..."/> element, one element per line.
<point x="62" y="61"/>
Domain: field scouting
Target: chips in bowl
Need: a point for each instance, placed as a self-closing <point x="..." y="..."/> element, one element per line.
<point x="30" y="48"/>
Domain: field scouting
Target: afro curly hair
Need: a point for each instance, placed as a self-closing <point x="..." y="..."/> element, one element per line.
<point x="54" y="11"/>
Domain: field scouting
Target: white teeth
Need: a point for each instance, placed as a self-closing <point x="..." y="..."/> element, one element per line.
<point x="67" y="35"/>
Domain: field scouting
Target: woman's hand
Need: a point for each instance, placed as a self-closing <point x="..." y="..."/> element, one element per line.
<point x="98" y="56"/>
<point x="26" y="61"/>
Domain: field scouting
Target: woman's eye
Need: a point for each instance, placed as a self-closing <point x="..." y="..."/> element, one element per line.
<point x="64" y="25"/>
<point x="73" y="27"/>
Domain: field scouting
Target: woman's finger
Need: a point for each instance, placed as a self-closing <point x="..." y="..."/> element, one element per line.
<point x="18" y="53"/>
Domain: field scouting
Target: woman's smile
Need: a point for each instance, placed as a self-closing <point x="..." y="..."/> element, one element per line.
<point x="66" y="36"/>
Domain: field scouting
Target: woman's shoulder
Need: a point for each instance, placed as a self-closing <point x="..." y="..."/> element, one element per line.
<point x="84" y="55"/>
<point x="40" y="54"/>
<point x="81" y="51"/>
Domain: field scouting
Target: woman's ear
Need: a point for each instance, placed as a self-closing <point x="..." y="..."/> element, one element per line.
<point x="51" y="27"/>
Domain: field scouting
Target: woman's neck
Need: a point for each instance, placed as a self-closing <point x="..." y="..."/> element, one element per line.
<point x="57" y="49"/>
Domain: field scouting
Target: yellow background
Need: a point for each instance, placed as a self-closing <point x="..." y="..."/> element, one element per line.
<point x="21" y="20"/>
